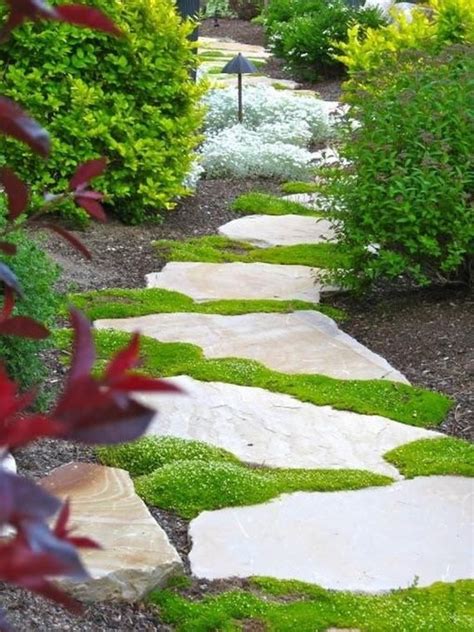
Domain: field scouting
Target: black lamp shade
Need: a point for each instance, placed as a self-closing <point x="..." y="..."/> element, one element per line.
<point x="239" y="65"/>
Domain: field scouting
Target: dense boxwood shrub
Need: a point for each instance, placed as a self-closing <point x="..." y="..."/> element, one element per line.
<point x="246" y="9"/>
<point x="447" y="22"/>
<point x="406" y="201"/>
<point x="304" y="32"/>
<point x="37" y="275"/>
<point x="131" y="99"/>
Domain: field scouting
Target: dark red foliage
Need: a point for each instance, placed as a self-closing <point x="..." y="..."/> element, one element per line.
<point x="91" y="409"/>
<point x="16" y="123"/>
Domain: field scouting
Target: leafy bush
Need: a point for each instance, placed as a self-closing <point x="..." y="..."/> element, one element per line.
<point x="37" y="275"/>
<point x="246" y="9"/>
<point x="131" y="99"/>
<point x="220" y="8"/>
<point x="304" y="32"/>
<point x="449" y="22"/>
<point x="405" y="203"/>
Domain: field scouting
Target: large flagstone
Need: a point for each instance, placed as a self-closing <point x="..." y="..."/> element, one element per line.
<point x="231" y="46"/>
<point x="278" y="230"/>
<point x="136" y="555"/>
<point x="276" y="430"/>
<point x="211" y="281"/>
<point x="381" y="538"/>
<point x="298" y="342"/>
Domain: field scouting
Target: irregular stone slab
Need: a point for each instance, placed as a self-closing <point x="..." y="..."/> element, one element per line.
<point x="275" y="430"/>
<point x="137" y="555"/>
<point x="7" y="461"/>
<point x="211" y="281"/>
<point x="372" y="540"/>
<point x="278" y="230"/>
<point x="228" y="45"/>
<point x="299" y="342"/>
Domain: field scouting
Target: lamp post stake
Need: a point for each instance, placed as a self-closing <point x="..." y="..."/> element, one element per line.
<point x="239" y="88"/>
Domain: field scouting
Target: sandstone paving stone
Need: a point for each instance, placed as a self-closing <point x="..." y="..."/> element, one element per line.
<point x="211" y="281"/>
<point x="372" y="540"/>
<point x="136" y="556"/>
<point x="298" y="342"/>
<point x="276" y="430"/>
<point x="230" y="46"/>
<point x="230" y="81"/>
<point x="278" y="230"/>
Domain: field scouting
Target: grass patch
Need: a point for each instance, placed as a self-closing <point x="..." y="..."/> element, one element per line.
<point x="285" y="606"/>
<point x="427" y="457"/>
<point x="120" y="303"/>
<point x="293" y="188"/>
<point x="219" y="249"/>
<point x="150" y="453"/>
<point x="264" y="204"/>
<point x="401" y="402"/>
<point x="189" y="477"/>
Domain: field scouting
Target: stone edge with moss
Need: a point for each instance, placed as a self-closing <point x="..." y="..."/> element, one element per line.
<point x="257" y="203"/>
<point x="430" y="457"/>
<point x="283" y="606"/>
<point x="188" y="477"/>
<point x="393" y="400"/>
<point x="297" y="188"/>
<point x="219" y="249"/>
<point x="124" y="303"/>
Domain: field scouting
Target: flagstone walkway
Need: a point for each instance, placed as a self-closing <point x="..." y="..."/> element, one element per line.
<point x="373" y="539"/>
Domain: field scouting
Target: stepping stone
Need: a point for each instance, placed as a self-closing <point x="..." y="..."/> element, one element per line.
<point x="299" y="342"/>
<point x="211" y="281"/>
<point x="279" y="230"/>
<point x="371" y="540"/>
<point x="137" y="555"/>
<point x="228" y="45"/>
<point x="275" y="430"/>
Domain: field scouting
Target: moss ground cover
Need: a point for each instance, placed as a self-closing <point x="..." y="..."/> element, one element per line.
<point x="120" y="303"/>
<point x="427" y="457"/>
<point x="285" y="606"/>
<point x="218" y="249"/>
<point x="189" y="477"/>
<point x="265" y="204"/>
<point x="414" y="406"/>
<point x="291" y="188"/>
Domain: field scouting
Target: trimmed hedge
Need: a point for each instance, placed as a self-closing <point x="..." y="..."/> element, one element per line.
<point x="130" y="99"/>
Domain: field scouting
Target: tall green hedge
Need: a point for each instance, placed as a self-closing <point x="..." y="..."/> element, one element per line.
<point x="131" y="99"/>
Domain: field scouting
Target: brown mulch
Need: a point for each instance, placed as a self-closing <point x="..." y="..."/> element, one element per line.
<point x="237" y="30"/>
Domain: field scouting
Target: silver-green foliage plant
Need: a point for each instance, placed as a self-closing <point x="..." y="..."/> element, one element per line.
<point x="406" y="200"/>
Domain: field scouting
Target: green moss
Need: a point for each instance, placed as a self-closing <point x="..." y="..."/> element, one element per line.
<point x="292" y="188"/>
<point x="191" y="476"/>
<point x="150" y="453"/>
<point x="427" y="457"/>
<point x="218" y="249"/>
<point x="404" y="403"/>
<point x="190" y="487"/>
<point x="285" y="606"/>
<point x="119" y="303"/>
<point x="261" y="203"/>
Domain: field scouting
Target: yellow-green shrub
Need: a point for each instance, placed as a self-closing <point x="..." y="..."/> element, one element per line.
<point x="130" y="99"/>
<point x="445" y="22"/>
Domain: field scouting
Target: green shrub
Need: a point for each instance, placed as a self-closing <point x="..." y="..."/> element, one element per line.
<point x="449" y="22"/>
<point x="246" y="9"/>
<point x="304" y="32"/>
<point x="130" y="99"/>
<point x="405" y="201"/>
<point x="37" y="275"/>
